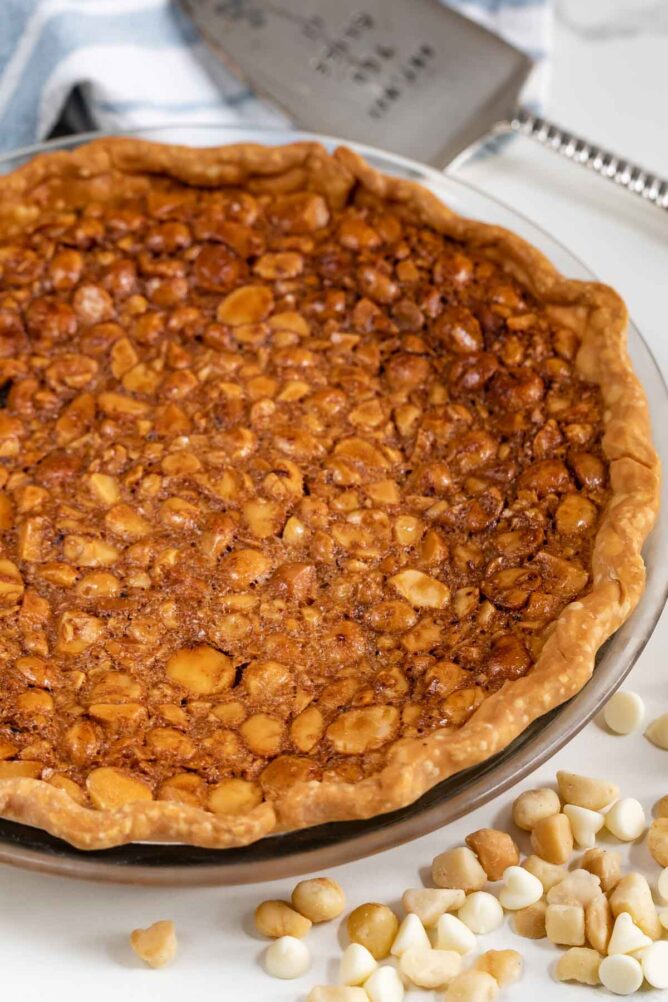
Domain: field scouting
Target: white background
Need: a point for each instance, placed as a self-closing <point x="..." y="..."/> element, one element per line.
<point x="68" y="940"/>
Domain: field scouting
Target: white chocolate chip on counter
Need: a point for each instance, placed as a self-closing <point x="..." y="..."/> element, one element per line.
<point x="626" y="819"/>
<point x="287" y="957"/>
<point x="624" y="712"/>
<point x="586" y="791"/>
<point x="453" y="934"/>
<point x="384" y="985"/>
<point x="411" y="934"/>
<point x="585" y="824"/>
<point x="657" y="732"/>
<point x="429" y="903"/>
<point x="626" y="936"/>
<point x="472" y="986"/>
<point x="156" y="945"/>
<point x="356" y="965"/>
<point x="654" y="962"/>
<point x="620" y="974"/>
<point x="482" y="912"/>
<point x="520" y="889"/>
<point x="430" y="968"/>
<point x="581" y="964"/>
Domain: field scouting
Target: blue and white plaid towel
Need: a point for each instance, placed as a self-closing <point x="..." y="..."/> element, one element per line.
<point x="141" y="62"/>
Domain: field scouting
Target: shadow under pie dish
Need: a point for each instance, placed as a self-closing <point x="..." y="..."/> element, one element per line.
<point x="314" y="493"/>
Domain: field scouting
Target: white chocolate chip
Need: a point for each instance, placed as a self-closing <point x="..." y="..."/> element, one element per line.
<point x="662" y="884"/>
<point x="620" y="974"/>
<point x="657" y="732"/>
<point x="584" y="824"/>
<point x="429" y="903"/>
<point x="654" y="962"/>
<point x="411" y="933"/>
<point x="384" y="985"/>
<point x="453" y="934"/>
<point x="626" y="819"/>
<point x="624" y="712"/>
<point x="356" y="965"/>
<point x="287" y="957"/>
<point x="520" y="888"/>
<point x="626" y="936"/>
<point x="430" y="968"/>
<point x="482" y="912"/>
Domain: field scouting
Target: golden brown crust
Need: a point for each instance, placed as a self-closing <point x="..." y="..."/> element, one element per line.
<point x="566" y="662"/>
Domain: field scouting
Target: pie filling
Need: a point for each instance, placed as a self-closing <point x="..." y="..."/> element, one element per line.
<point x="280" y="486"/>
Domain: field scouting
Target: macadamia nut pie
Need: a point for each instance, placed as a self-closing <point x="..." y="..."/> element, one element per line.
<point x="312" y="493"/>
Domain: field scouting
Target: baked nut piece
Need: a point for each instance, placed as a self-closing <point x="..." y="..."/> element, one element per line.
<point x="156" y="945"/>
<point x="312" y="493"/>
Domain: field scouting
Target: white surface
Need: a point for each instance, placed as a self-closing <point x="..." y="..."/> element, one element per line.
<point x="63" y="939"/>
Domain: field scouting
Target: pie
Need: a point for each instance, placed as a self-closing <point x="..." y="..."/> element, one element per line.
<point x="312" y="492"/>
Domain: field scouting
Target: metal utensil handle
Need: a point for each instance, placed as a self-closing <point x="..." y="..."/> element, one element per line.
<point x="627" y="175"/>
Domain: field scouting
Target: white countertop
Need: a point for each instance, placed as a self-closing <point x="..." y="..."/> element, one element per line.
<point x="64" y="939"/>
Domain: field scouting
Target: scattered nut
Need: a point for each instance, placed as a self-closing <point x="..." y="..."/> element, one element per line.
<point x="661" y="808"/>
<point x="277" y="918"/>
<point x="429" y="903"/>
<point x="534" y="805"/>
<point x="530" y="922"/>
<point x="287" y="957"/>
<point x="411" y="934"/>
<point x="549" y="874"/>
<point x="598" y="923"/>
<point x="662" y="884"/>
<point x="337" y="993"/>
<point x="520" y="889"/>
<point x="579" y="964"/>
<point x="632" y="895"/>
<point x="564" y="924"/>
<point x="481" y="912"/>
<point x="384" y="985"/>
<point x="657" y="841"/>
<point x="505" y="966"/>
<point x="626" y="819"/>
<point x="453" y="934"/>
<point x="458" y="868"/>
<point x="356" y="965"/>
<point x="578" y="887"/>
<point x="495" y="850"/>
<point x="584" y="824"/>
<point x="626" y="936"/>
<point x="624" y="712"/>
<point x="375" y="927"/>
<point x="552" y="838"/>
<point x="156" y="945"/>
<point x="621" y="975"/>
<point x="585" y="791"/>
<point x="654" y="963"/>
<point x="429" y="968"/>
<point x="472" y="986"/>
<point x="319" y="899"/>
<point x="604" y="864"/>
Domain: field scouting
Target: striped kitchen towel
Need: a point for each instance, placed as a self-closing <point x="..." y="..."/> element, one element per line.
<point x="142" y="62"/>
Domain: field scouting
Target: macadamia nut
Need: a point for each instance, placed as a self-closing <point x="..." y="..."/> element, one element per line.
<point x="534" y="805"/>
<point x="579" y="964"/>
<point x="458" y="868"/>
<point x="585" y="791"/>
<point x="429" y="903"/>
<point x="552" y="838"/>
<point x="505" y="966"/>
<point x="495" y="850"/>
<point x="319" y="899"/>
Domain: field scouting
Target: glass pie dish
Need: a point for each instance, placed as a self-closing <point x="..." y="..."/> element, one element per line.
<point x="334" y="843"/>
